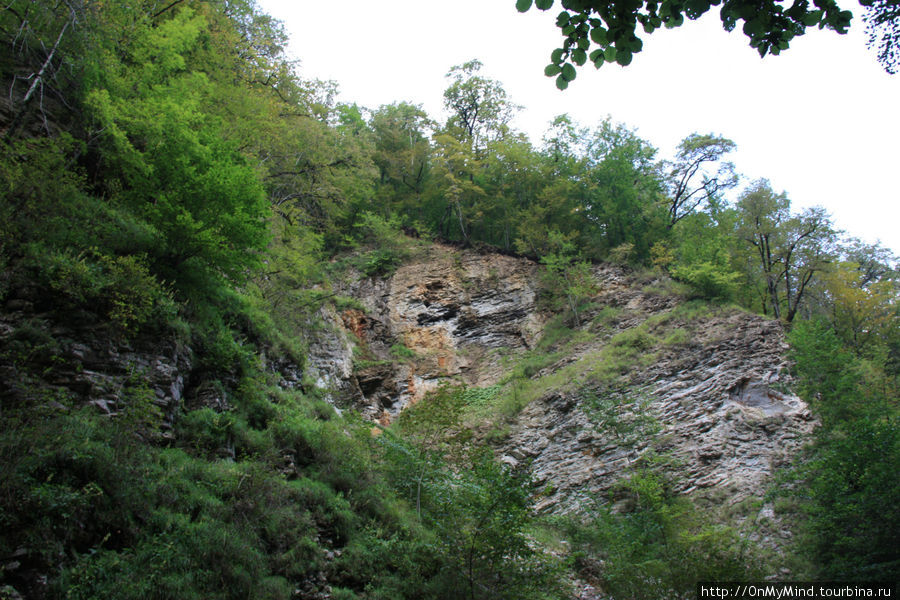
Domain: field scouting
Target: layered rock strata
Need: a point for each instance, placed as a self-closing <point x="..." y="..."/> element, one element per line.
<point x="446" y="317"/>
<point x="717" y="395"/>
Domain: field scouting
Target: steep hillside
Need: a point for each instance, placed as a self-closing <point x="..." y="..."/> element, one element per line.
<point x="647" y="370"/>
<point x="653" y="407"/>
<point x="232" y="364"/>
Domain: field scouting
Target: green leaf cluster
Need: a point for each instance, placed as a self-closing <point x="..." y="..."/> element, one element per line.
<point x="612" y="26"/>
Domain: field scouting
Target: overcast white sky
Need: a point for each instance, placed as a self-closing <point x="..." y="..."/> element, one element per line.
<point x="821" y="121"/>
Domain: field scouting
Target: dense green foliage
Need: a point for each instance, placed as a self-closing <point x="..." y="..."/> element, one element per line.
<point x="660" y="545"/>
<point x="849" y="480"/>
<point x="478" y="509"/>
<point x="179" y="181"/>
<point x="170" y="181"/>
<point x="110" y="517"/>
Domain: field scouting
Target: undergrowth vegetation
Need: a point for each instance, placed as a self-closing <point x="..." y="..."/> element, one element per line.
<point x="843" y="496"/>
<point x="660" y="546"/>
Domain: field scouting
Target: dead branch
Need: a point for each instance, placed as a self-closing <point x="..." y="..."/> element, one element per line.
<point x="40" y="75"/>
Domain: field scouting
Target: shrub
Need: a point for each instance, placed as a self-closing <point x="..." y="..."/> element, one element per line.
<point x="391" y="246"/>
<point x="708" y="280"/>
<point x="206" y="430"/>
<point x="135" y="296"/>
<point x="661" y="546"/>
<point x="677" y="337"/>
<point x="122" y="287"/>
<point x="622" y="254"/>
<point x="635" y="338"/>
<point x="401" y="352"/>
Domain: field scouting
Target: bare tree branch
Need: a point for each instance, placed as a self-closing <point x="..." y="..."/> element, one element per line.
<point x="40" y="74"/>
<point x="170" y="6"/>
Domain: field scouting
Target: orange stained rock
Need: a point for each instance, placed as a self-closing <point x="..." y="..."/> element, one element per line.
<point x="413" y="401"/>
<point x="423" y="339"/>
<point x="411" y="383"/>
<point x="355" y="321"/>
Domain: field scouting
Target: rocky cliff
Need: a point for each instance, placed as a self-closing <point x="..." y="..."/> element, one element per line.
<point x="647" y="370"/>
<point x="452" y="313"/>
<point x="40" y="354"/>
<point x="646" y="377"/>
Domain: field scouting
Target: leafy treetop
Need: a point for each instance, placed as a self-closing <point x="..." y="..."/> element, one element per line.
<point x="480" y="110"/>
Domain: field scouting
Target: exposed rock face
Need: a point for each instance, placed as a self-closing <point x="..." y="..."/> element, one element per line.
<point x="716" y="393"/>
<point x="329" y="362"/>
<point x="90" y="366"/>
<point x="718" y="408"/>
<point x="452" y="309"/>
<point x="80" y="361"/>
<point x="708" y="387"/>
<point x="718" y="396"/>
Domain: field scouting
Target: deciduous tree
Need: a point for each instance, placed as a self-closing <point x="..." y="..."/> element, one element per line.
<point x="402" y="148"/>
<point x="567" y="277"/>
<point x="789" y="249"/>
<point x="622" y="191"/>
<point x="480" y="110"/>
<point x="455" y="167"/>
<point x="698" y="174"/>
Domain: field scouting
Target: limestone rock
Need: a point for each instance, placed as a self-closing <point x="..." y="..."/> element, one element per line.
<point x="92" y="366"/>
<point x="722" y="414"/>
<point x="718" y="393"/>
<point x="456" y="311"/>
